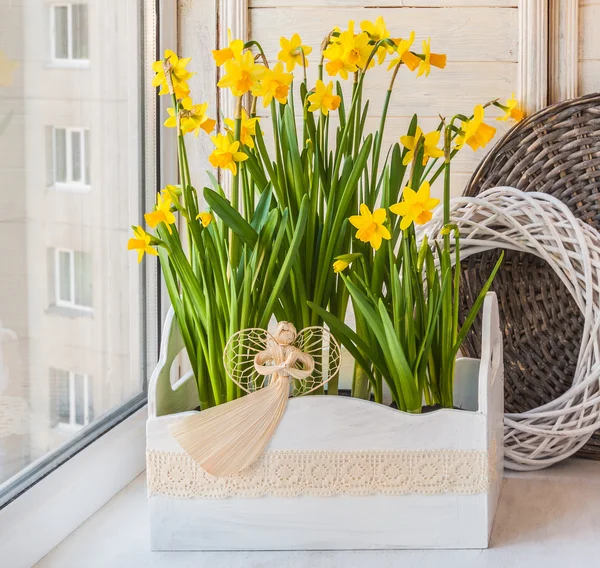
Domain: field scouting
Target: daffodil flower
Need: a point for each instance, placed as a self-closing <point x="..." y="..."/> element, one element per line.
<point x="141" y="242"/>
<point x="275" y="84"/>
<point x="232" y="51"/>
<point x="370" y="226"/>
<point x="192" y="118"/>
<point x="179" y="75"/>
<point x="511" y="110"/>
<point x="205" y="218"/>
<point x="293" y="52"/>
<point x="435" y="59"/>
<point x="344" y="261"/>
<point x="338" y="61"/>
<point x="474" y="132"/>
<point x="241" y="74"/>
<point x="430" y="149"/>
<point x="403" y="53"/>
<point x="162" y="212"/>
<point x="247" y="128"/>
<point x="357" y="48"/>
<point x="226" y="154"/>
<point x="377" y="31"/>
<point x="415" y="206"/>
<point x="323" y="98"/>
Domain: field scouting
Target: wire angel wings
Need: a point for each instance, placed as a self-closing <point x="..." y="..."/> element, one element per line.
<point x="254" y="358"/>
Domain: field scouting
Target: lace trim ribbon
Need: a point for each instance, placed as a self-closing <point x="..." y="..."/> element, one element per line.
<point x="325" y="474"/>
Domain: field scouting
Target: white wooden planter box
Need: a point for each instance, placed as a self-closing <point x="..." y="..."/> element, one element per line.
<point x="387" y="479"/>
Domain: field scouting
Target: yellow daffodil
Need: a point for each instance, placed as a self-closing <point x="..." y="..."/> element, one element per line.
<point x="274" y="84"/>
<point x="377" y="31"/>
<point x="511" y="110"/>
<point x="6" y="70"/>
<point x="356" y="47"/>
<point x="226" y="154"/>
<point x="247" y="128"/>
<point x="241" y="74"/>
<point x="162" y="213"/>
<point x="344" y="261"/>
<point x="141" y="242"/>
<point x="338" y="61"/>
<point x="293" y="52"/>
<point x="475" y="132"/>
<point x="232" y="51"/>
<point x="430" y="149"/>
<point x="415" y="206"/>
<point x="192" y="118"/>
<point x="205" y="217"/>
<point x="340" y="265"/>
<point x="173" y="192"/>
<point x="179" y="75"/>
<point x="370" y="226"/>
<point x="403" y="53"/>
<point x="435" y="59"/>
<point x="323" y="98"/>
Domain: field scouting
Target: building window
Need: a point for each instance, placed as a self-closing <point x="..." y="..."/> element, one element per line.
<point x="73" y="279"/>
<point x="73" y="398"/>
<point x="69" y="32"/>
<point x="71" y="158"/>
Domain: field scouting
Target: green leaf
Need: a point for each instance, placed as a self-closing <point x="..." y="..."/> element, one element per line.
<point x="231" y="217"/>
<point x="288" y="262"/>
<point x="347" y="337"/>
<point x="262" y="208"/>
<point x="476" y="307"/>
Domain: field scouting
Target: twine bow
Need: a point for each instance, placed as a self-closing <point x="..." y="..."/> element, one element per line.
<point x="228" y="438"/>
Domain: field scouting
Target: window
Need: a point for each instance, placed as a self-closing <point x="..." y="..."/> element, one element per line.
<point x="69" y="32"/>
<point x="63" y="254"/>
<point x="73" y="273"/>
<point x="73" y="399"/>
<point x="71" y="158"/>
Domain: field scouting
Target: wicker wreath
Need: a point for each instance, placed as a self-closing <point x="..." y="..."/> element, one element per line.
<point x="541" y="225"/>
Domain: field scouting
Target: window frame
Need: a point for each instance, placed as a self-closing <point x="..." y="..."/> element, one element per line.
<point x="68" y="61"/>
<point x="58" y="301"/>
<point x="71" y="184"/>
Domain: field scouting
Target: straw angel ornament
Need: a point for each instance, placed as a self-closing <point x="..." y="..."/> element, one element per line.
<point x="228" y="438"/>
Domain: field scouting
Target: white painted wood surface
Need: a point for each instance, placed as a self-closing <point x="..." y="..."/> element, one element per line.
<point x="336" y="423"/>
<point x="589" y="47"/>
<point x="563" y="43"/>
<point x="480" y="38"/>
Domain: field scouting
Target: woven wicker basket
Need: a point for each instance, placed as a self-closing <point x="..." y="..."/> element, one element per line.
<point x="555" y="151"/>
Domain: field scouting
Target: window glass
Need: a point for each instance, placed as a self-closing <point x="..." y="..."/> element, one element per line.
<point x="60" y="155"/>
<point x="76" y="142"/>
<point x="80" y="31"/>
<point x="61" y="32"/>
<point x="72" y="314"/>
<point x="79" y="388"/>
<point x="64" y="276"/>
<point x="62" y="396"/>
<point x="83" y="279"/>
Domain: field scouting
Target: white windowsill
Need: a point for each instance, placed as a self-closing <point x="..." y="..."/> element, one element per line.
<point x="71" y="187"/>
<point x="545" y="519"/>
<point x="70" y="311"/>
<point x="44" y="515"/>
<point x="68" y="64"/>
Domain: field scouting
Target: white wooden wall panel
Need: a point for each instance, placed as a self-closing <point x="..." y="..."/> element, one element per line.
<point x="589" y="46"/>
<point x="480" y="38"/>
<point x="384" y="3"/>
